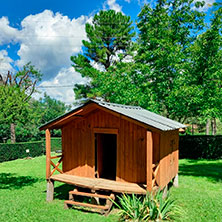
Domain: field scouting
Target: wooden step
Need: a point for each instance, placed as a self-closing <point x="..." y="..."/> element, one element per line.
<point x="74" y="192"/>
<point x="71" y="202"/>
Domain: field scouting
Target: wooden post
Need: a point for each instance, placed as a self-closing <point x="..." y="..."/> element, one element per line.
<point x="48" y="153"/>
<point x="165" y="190"/>
<point x="176" y="181"/>
<point x="50" y="190"/>
<point x="149" y="160"/>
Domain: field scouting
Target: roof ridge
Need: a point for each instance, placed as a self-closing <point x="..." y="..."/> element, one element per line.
<point x="117" y="105"/>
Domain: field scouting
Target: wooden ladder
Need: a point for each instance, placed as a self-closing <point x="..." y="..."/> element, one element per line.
<point x="104" y="209"/>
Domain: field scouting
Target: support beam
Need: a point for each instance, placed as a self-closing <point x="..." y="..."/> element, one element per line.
<point x="149" y="160"/>
<point x="165" y="190"/>
<point x="176" y="181"/>
<point x="50" y="190"/>
<point x="48" y="153"/>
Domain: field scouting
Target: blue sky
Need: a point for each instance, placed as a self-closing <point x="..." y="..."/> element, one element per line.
<point x="47" y="33"/>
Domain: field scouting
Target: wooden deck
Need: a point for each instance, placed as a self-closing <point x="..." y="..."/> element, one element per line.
<point x="100" y="184"/>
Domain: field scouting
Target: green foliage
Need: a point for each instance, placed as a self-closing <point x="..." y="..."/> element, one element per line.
<point x="47" y="109"/>
<point x="201" y="147"/>
<point x="13" y="107"/>
<point x="204" y="71"/>
<point x="110" y="42"/>
<point x="166" y="31"/>
<point x="18" y="150"/>
<point x="56" y="144"/>
<point x="37" y="113"/>
<point x="4" y="133"/>
<point x="152" y="207"/>
<point x="15" y="93"/>
<point x="14" y="151"/>
<point x="173" y="68"/>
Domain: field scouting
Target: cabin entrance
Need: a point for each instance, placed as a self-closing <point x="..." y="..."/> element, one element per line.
<point x="105" y="155"/>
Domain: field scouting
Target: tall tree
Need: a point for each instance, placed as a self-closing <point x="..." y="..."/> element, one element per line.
<point x="15" y="92"/>
<point x="165" y="33"/>
<point x="109" y="42"/>
<point x="205" y="71"/>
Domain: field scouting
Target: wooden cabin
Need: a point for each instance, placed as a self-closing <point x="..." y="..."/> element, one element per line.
<point x="113" y="147"/>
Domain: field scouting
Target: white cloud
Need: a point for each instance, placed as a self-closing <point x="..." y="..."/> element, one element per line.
<point x="48" y="40"/>
<point x="208" y="4"/>
<point x="66" y="77"/>
<point x="113" y="5"/>
<point x="5" y="63"/>
<point x="7" y="33"/>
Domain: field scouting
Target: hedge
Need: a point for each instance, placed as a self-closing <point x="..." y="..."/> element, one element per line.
<point x="36" y="148"/>
<point x="192" y="147"/>
<point x="56" y="144"/>
<point x="18" y="150"/>
<point x="200" y="147"/>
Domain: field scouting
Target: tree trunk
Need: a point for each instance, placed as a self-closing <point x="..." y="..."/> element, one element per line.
<point x="208" y="127"/>
<point x="12" y="128"/>
<point x="192" y="129"/>
<point x="214" y="126"/>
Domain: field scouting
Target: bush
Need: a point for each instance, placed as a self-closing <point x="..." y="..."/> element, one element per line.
<point x="56" y="144"/>
<point x="18" y="150"/>
<point x="151" y="207"/>
<point x="198" y="147"/>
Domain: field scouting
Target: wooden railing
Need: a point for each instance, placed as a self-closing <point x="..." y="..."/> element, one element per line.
<point x="155" y="169"/>
<point x="49" y="158"/>
<point x="56" y="165"/>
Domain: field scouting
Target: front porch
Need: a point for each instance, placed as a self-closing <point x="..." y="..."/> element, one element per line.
<point x="97" y="184"/>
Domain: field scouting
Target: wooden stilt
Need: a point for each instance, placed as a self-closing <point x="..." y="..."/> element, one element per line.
<point x="176" y="181"/>
<point x="50" y="190"/>
<point x="95" y="200"/>
<point x="165" y="189"/>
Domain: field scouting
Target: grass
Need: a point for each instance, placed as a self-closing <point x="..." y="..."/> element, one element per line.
<point x="23" y="193"/>
<point x="23" y="187"/>
<point x="200" y="190"/>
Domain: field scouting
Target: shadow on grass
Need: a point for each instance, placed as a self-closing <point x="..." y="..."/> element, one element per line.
<point x="11" y="181"/>
<point x="62" y="192"/>
<point x="210" y="169"/>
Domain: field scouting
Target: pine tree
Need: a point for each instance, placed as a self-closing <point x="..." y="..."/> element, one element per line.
<point x="109" y="42"/>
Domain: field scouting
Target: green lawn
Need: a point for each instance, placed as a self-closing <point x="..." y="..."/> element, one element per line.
<point x="200" y="190"/>
<point x="22" y="193"/>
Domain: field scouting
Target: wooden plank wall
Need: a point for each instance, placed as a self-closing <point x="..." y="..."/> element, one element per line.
<point x="79" y="150"/>
<point x="169" y="157"/>
<point x="131" y="161"/>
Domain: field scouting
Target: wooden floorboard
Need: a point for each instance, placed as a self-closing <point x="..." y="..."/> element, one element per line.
<point x="100" y="184"/>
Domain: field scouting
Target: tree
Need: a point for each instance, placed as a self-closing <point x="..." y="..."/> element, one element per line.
<point x="48" y="108"/>
<point x="205" y="71"/>
<point x="109" y="42"/>
<point x="165" y="34"/>
<point x="44" y="110"/>
<point x="15" y="93"/>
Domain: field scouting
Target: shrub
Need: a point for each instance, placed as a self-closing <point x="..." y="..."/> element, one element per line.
<point x="18" y="150"/>
<point x="56" y="144"/>
<point x="151" y="207"/>
<point x="198" y="147"/>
